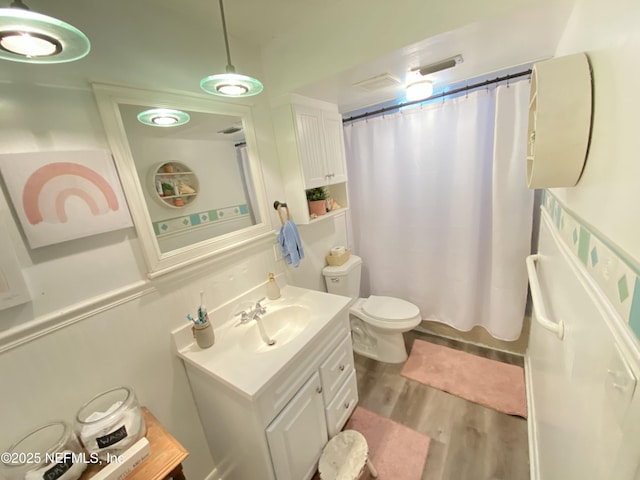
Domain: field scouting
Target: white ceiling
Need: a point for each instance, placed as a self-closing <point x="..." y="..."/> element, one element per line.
<point x="172" y="44"/>
<point x="490" y="48"/>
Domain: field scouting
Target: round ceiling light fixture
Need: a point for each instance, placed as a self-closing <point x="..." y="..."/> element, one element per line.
<point x="230" y="84"/>
<point x="419" y="90"/>
<point x="163" y="117"/>
<point x="31" y="37"/>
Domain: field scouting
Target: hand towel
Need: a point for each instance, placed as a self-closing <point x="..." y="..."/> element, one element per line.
<point x="290" y="243"/>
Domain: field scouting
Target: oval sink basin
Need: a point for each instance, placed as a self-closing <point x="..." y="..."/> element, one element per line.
<point x="281" y="325"/>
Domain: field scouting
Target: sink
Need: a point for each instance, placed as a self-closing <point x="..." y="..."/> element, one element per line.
<point x="281" y="325"/>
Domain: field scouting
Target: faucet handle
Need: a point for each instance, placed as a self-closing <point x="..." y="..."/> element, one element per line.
<point x="260" y="308"/>
<point x="244" y="316"/>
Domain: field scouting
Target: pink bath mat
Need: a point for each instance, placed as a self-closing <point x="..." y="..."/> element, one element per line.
<point x="494" y="384"/>
<point x="396" y="451"/>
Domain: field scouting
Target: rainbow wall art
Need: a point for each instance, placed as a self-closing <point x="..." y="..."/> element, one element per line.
<point x="61" y="196"/>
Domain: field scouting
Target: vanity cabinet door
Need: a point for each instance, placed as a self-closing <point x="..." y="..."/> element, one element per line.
<point x="298" y="434"/>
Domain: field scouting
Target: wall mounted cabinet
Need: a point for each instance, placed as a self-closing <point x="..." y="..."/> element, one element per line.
<point x="310" y="142"/>
<point x="560" y="105"/>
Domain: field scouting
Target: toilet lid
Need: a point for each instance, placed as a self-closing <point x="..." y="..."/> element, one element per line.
<point x="389" y="308"/>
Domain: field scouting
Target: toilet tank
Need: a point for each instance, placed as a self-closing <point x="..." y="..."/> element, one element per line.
<point x="345" y="279"/>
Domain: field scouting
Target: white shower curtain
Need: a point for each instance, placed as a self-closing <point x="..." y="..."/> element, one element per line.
<point x="440" y="212"/>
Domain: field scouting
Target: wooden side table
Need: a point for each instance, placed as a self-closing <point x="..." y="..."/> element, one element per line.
<point x="166" y="458"/>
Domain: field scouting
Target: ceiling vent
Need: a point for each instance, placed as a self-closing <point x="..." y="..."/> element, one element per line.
<point x="384" y="80"/>
<point x="439" y="66"/>
<point x="230" y="130"/>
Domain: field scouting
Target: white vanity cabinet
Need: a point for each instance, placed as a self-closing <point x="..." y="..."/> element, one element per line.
<point x="279" y="431"/>
<point x="310" y="142"/>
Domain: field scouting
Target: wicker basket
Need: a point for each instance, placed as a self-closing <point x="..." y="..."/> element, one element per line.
<point x="337" y="260"/>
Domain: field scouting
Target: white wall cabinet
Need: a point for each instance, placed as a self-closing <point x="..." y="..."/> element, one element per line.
<point x="321" y="146"/>
<point x="559" y="121"/>
<point x="310" y="141"/>
<point x="279" y="433"/>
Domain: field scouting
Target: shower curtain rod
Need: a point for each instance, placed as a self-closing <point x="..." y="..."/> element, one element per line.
<point x="439" y="95"/>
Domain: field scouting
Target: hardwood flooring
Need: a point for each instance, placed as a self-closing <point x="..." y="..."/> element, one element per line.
<point x="468" y="441"/>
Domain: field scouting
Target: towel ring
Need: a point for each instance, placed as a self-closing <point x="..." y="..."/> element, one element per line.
<point x="279" y="206"/>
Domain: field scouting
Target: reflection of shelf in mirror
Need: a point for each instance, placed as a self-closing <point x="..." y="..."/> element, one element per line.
<point x="166" y="197"/>
<point x="163" y="174"/>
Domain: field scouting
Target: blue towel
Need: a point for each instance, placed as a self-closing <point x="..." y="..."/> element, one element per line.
<point x="290" y="243"/>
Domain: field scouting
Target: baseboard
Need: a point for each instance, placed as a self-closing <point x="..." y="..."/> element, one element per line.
<point x="534" y="470"/>
<point x="421" y="329"/>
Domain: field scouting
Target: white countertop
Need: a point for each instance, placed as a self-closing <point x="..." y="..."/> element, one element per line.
<point x="249" y="372"/>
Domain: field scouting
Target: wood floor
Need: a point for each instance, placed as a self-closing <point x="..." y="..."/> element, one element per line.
<point x="468" y="441"/>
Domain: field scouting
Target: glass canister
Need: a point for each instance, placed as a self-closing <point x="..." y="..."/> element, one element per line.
<point x="50" y="451"/>
<point x="109" y="423"/>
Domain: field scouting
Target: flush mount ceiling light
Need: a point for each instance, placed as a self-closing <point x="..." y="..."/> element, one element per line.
<point x="30" y="37"/>
<point x="163" y="117"/>
<point x="419" y="90"/>
<point x="230" y="84"/>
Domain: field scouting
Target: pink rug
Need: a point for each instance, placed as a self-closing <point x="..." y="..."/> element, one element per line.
<point x="396" y="451"/>
<point x="494" y="384"/>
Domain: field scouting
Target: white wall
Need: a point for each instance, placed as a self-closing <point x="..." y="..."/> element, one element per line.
<point x="608" y="194"/>
<point x="95" y="321"/>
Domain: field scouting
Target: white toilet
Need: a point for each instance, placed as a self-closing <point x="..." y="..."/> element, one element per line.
<point x="377" y="323"/>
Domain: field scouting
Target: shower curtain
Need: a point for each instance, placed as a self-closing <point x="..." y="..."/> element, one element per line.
<point x="440" y="211"/>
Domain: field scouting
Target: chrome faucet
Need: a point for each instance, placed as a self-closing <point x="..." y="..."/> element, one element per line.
<point x="259" y="309"/>
<point x="254" y="314"/>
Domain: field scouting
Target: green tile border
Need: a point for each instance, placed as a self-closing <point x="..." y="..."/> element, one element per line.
<point x="580" y="237"/>
<point x="184" y="223"/>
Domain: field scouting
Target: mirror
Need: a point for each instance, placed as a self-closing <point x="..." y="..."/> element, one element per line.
<point x="194" y="190"/>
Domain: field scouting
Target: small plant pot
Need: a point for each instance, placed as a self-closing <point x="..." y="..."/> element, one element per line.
<point x="317" y="207"/>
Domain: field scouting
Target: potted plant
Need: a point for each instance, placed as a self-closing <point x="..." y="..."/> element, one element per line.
<point x="317" y="199"/>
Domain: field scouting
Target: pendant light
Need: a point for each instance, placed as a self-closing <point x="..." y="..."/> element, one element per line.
<point x="163" y="117"/>
<point x="230" y="84"/>
<point x="31" y="37"/>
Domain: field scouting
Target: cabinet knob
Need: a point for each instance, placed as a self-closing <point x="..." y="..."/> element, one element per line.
<point x="347" y="405"/>
<point x="341" y="367"/>
<point x="319" y="389"/>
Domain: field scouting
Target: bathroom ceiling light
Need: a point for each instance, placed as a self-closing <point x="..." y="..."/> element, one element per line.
<point x="230" y="84"/>
<point x="419" y="90"/>
<point x="30" y="37"/>
<point x="163" y="117"/>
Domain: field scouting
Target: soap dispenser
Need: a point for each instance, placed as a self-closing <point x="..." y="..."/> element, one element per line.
<point x="273" y="290"/>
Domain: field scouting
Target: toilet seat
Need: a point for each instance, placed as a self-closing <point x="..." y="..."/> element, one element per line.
<point x="388" y="312"/>
<point x="389" y="308"/>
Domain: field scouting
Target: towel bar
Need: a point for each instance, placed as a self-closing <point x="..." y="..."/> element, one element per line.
<point x="278" y="206"/>
<point x="538" y="303"/>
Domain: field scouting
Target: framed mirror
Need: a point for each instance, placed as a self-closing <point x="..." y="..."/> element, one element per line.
<point x="190" y="171"/>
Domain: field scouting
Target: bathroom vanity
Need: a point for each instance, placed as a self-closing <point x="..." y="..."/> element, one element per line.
<point x="268" y="411"/>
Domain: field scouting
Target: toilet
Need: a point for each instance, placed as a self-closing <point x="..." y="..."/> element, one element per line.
<point x="377" y="323"/>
